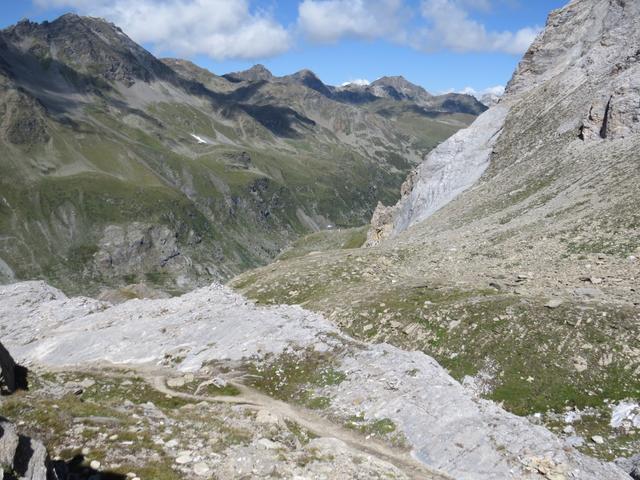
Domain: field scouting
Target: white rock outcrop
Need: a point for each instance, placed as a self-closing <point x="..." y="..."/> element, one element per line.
<point x="449" y="170"/>
<point x="446" y="426"/>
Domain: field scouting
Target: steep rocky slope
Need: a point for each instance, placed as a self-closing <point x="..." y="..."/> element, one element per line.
<point x="573" y="95"/>
<point x="119" y="168"/>
<point x="512" y="257"/>
<point x="397" y="400"/>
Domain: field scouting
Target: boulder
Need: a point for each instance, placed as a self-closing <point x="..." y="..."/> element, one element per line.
<point x="7" y="372"/>
<point x="630" y="465"/>
<point x="26" y="457"/>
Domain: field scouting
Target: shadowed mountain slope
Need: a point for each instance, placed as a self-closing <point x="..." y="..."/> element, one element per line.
<point x="119" y="168"/>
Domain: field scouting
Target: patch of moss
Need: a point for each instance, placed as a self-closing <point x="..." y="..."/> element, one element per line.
<point x="378" y="428"/>
<point x="208" y="389"/>
<point x="303" y="435"/>
<point x="292" y="376"/>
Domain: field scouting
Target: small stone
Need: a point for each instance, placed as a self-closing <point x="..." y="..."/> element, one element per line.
<point x="173" y="443"/>
<point x="267" y="444"/>
<point x="580" y="364"/>
<point x="588" y="292"/>
<point x="87" y="383"/>
<point x="595" y="280"/>
<point x="553" y="303"/>
<point x="568" y="429"/>
<point x="85" y="451"/>
<point x="201" y="469"/>
<point x="183" y="459"/>
<point x="597" y="439"/>
<point x="266" y="418"/>
<point x="95" y="465"/>
<point x="219" y="382"/>
<point x="575" y="441"/>
<point x="175" y="382"/>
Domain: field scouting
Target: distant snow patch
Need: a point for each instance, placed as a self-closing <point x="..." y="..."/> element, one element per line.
<point x="360" y="82"/>
<point x="200" y="140"/>
<point x="496" y="92"/>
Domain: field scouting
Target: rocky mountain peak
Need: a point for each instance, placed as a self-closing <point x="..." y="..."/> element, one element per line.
<point x="594" y="46"/>
<point x="399" y="88"/>
<point x="309" y="79"/>
<point x="89" y="45"/>
<point x="255" y="74"/>
<point x="581" y="41"/>
<point x="306" y="75"/>
<point x="401" y="84"/>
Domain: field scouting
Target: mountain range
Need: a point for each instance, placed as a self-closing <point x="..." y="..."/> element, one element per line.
<point x="483" y="325"/>
<point x="120" y="168"/>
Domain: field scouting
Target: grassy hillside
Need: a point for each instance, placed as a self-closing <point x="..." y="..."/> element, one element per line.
<point x="118" y="168"/>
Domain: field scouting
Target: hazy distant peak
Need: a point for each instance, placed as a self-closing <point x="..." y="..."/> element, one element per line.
<point x="402" y="86"/>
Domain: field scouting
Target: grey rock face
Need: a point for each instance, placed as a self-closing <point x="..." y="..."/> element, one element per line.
<point x="26" y="457"/>
<point x="613" y="117"/>
<point x="450" y="169"/>
<point x="585" y="64"/>
<point x="137" y="246"/>
<point x="6" y="273"/>
<point x="623" y="113"/>
<point x="23" y="122"/>
<point x="7" y="371"/>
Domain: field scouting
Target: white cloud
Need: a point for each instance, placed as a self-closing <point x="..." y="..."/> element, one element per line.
<point x="496" y="91"/>
<point x="442" y="24"/>
<point x="223" y="29"/>
<point x="330" y="20"/>
<point x="220" y="29"/>
<point x="451" y="28"/>
<point x="361" y="82"/>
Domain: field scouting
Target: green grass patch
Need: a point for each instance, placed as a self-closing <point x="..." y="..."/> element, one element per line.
<point x="293" y="376"/>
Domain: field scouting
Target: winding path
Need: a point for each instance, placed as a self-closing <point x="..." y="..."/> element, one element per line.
<point x="310" y="421"/>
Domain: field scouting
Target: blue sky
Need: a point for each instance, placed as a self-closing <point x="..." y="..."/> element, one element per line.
<point x="442" y="45"/>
